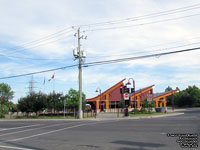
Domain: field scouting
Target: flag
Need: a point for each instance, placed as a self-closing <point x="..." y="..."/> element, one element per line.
<point x="51" y="77"/>
<point x="44" y="81"/>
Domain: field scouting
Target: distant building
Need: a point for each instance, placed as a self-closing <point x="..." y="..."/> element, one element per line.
<point x="110" y="99"/>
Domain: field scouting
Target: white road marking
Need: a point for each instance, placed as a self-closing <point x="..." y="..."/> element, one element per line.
<point x="1" y="129"/>
<point x="10" y="147"/>
<point x="34" y="129"/>
<point x="163" y="133"/>
<point x="20" y="127"/>
<point x="44" y="133"/>
<point x="27" y="137"/>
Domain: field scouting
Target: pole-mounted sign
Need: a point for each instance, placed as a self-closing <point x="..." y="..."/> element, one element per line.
<point x="126" y="96"/>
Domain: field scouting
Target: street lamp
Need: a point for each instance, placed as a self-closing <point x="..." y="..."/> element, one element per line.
<point x="129" y="83"/>
<point x="64" y="107"/>
<point x="99" y="90"/>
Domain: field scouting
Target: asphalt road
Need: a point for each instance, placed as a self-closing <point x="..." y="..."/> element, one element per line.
<point x="133" y="134"/>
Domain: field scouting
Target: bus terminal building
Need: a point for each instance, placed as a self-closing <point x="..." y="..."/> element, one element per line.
<point x="110" y="99"/>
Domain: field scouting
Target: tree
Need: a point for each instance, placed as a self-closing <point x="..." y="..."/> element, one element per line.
<point x="190" y="97"/>
<point x="32" y="103"/>
<point x="25" y="104"/>
<point x="146" y="105"/>
<point x="39" y="102"/>
<point x="72" y="99"/>
<point x="5" y="91"/>
<point x="122" y="103"/>
<point x="5" y="94"/>
<point x="55" y="101"/>
<point x="170" y="99"/>
<point x="177" y="88"/>
<point x="12" y="107"/>
<point x="168" y="89"/>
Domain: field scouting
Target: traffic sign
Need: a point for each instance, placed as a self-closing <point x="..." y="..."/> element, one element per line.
<point x="126" y="96"/>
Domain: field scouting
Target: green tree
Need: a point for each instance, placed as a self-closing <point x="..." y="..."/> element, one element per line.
<point x="72" y="99"/>
<point x="144" y="106"/>
<point x="6" y="94"/>
<point x="168" y="89"/>
<point x="147" y="107"/>
<point x="55" y="101"/>
<point x="5" y="91"/>
<point x="39" y="101"/>
<point x="170" y="99"/>
<point x="12" y="107"/>
<point x="190" y="97"/>
<point x="33" y="102"/>
<point x="25" y="104"/>
<point x="122" y="103"/>
<point x="177" y="88"/>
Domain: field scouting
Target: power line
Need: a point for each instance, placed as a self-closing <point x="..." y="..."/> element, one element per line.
<point x="141" y="24"/>
<point x="54" y="35"/>
<point x="31" y="58"/>
<point x="131" y="19"/>
<point x="24" y="48"/>
<point x="105" y="62"/>
<point x="138" y="57"/>
<point x="64" y="31"/>
<point x="38" y="72"/>
<point x="163" y="49"/>
<point x="48" y="37"/>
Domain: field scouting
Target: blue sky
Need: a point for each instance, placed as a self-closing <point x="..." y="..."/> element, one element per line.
<point x="28" y="20"/>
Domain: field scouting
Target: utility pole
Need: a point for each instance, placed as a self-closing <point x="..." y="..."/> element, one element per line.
<point x="80" y="55"/>
<point x="80" y="77"/>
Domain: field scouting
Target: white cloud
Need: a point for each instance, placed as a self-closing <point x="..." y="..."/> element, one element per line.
<point x="28" y="20"/>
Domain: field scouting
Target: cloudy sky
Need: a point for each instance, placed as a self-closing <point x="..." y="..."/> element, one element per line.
<point x="37" y="35"/>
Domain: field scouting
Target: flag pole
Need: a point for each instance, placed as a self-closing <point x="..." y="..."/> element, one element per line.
<point x="54" y="83"/>
<point x="44" y="84"/>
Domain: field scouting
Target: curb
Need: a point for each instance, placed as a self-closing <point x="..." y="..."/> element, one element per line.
<point x="160" y="116"/>
<point x="143" y="117"/>
<point x="98" y="119"/>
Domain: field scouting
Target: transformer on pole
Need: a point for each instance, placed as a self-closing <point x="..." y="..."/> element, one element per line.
<point x="79" y="54"/>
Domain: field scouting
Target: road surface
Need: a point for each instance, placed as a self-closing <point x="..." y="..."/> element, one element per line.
<point x="128" y="134"/>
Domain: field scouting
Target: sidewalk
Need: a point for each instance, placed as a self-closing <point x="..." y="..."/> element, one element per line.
<point x="100" y="117"/>
<point x="113" y="116"/>
<point x="109" y="115"/>
<point x="176" y="110"/>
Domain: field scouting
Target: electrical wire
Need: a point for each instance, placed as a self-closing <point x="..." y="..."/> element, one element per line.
<point x="24" y="48"/>
<point x="31" y="58"/>
<point x="48" y="37"/>
<point x="89" y="64"/>
<point x="69" y="29"/>
<point x="138" y="57"/>
<point x="141" y="24"/>
<point x="54" y="35"/>
<point x="38" y="72"/>
<point x="163" y="49"/>
<point x="64" y="31"/>
<point x="131" y="19"/>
